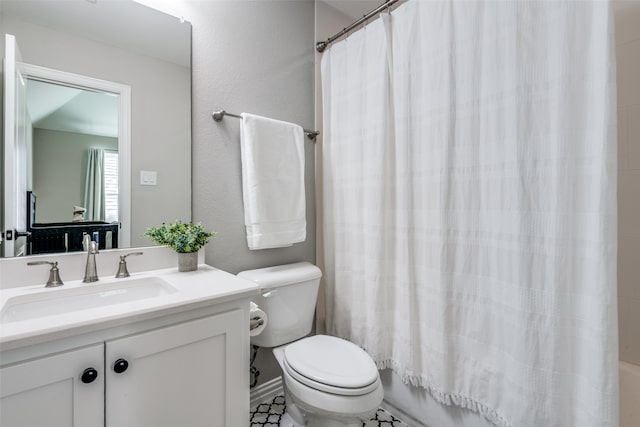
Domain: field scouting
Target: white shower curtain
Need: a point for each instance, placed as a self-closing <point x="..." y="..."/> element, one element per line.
<point x="94" y="194"/>
<point x="469" y="167"/>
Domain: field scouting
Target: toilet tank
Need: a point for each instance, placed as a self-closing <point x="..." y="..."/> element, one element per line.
<point x="288" y="296"/>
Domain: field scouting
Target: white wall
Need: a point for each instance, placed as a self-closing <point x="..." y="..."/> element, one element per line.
<point x="59" y="188"/>
<point x="628" y="79"/>
<point x="160" y="98"/>
<point x="248" y="56"/>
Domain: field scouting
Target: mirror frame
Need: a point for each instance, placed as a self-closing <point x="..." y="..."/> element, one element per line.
<point x="123" y="92"/>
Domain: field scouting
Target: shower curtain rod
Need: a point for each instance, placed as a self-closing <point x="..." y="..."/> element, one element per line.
<point x="219" y="115"/>
<point x="321" y="46"/>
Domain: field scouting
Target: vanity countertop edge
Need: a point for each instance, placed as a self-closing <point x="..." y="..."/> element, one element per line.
<point x="205" y="287"/>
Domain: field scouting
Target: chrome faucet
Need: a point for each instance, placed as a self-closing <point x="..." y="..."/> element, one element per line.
<point x="90" y="270"/>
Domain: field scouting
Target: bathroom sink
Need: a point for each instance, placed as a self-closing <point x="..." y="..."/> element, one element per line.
<point x="51" y="302"/>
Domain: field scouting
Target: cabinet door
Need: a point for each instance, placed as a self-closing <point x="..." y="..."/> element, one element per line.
<point x="50" y="391"/>
<point x="191" y="374"/>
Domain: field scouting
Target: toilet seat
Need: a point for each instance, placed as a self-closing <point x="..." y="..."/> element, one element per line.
<point x="332" y="365"/>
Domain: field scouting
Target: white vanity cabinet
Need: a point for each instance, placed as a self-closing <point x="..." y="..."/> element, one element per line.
<point x="193" y="372"/>
<point x="49" y="391"/>
<point x="185" y="374"/>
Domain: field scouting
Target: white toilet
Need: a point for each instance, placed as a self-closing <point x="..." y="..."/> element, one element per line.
<point x="328" y="381"/>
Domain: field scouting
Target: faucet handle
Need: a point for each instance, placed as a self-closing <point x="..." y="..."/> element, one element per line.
<point x="122" y="267"/>
<point x="54" y="273"/>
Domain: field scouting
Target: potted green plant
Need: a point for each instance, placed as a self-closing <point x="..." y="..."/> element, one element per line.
<point x="184" y="238"/>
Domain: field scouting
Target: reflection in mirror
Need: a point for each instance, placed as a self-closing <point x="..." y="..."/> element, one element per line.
<point x="77" y="128"/>
<point x="118" y="41"/>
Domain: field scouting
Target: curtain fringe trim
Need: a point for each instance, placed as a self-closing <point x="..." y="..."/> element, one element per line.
<point x="448" y="399"/>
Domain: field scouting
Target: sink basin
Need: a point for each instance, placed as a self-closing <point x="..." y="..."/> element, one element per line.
<point x="51" y="302"/>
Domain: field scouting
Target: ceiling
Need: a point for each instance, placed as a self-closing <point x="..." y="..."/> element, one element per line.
<point x="64" y="108"/>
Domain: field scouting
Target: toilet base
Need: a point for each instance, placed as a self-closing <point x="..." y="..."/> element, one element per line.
<point x="293" y="416"/>
<point x="287" y="421"/>
<point x="331" y="423"/>
<point x="303" y="415"/>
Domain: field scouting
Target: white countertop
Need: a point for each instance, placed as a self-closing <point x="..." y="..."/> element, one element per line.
<point x="205" y="286"/>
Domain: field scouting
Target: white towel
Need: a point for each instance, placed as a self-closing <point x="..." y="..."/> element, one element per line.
<point x="272" y="182"/>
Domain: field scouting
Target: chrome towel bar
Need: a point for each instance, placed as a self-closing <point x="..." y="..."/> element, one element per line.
<point x="219" y="115"/>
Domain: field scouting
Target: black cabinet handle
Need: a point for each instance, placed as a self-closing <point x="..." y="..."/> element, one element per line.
<point x="89" y="375"/>
<point x="120" y="366"/>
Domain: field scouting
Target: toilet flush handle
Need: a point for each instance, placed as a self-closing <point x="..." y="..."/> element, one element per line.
<point x="269" y="293"/>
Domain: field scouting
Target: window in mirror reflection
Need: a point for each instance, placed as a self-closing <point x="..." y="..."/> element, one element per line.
<point x="111" y="186"/>
<point x="101" y="185"/>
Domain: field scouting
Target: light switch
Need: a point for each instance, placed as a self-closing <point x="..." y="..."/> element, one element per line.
<point x="147" y="177"/>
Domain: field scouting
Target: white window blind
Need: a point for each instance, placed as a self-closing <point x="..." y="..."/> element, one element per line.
<point x="111" y="186"/>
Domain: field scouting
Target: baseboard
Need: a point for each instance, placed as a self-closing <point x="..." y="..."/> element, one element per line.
<point x="399" y="413"/>
<point x="265" y="392"/>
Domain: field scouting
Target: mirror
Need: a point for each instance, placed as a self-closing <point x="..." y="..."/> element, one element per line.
<point x="127" y="44"/>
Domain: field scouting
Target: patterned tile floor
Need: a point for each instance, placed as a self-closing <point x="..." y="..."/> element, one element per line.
<point x="269" y="414"/>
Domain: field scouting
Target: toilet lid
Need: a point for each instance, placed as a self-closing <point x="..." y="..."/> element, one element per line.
<point x="331" y="361"/>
